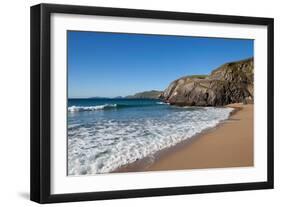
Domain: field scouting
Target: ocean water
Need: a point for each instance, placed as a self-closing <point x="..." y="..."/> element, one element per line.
<point x="104" y="134"/>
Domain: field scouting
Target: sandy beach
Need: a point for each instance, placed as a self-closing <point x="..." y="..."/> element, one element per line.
<point x="230" y="144"/>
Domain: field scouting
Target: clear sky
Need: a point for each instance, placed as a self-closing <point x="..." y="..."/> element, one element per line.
<point x="114" y="64"/>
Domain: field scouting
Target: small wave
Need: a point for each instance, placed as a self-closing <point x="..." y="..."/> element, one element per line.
<point x="161" y="103"/>
<point x="91" y="108"/>
<point x="110" y="106"/>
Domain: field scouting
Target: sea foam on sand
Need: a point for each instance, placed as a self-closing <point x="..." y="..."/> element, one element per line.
<point x="105" y="145"/>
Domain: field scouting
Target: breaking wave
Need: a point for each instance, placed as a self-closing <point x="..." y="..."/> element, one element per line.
<point x="109" y="106"/>
<point x="90" y="108"/>
<point x="99" y="145"/>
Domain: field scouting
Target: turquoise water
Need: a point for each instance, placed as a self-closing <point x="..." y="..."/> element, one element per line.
<point x="104" y="134"/>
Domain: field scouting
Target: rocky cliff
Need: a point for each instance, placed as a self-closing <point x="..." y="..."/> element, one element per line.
<point x="230" y="83"/>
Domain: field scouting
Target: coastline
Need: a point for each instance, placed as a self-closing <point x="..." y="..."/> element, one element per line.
<point x="218" y="147"/>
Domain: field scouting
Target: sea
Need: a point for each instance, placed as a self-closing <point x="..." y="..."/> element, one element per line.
<point x="105" y="134"/>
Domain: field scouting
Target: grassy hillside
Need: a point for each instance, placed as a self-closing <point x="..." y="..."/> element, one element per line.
<point x="153" y="94"/>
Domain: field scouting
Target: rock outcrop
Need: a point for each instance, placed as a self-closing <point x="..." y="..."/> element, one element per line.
<point x="230" y="83"/>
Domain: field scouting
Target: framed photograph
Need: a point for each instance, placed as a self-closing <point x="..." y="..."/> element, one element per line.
<point x="133" y="103"/>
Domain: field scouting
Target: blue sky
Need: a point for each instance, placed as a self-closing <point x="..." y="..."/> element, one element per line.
<point x="114" y="64"/>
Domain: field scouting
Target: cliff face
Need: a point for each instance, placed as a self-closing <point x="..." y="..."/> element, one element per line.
<point x="230" y="83"/>
<point x="153" y="94"/>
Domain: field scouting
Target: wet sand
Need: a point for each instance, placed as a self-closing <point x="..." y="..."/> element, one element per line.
<point x="230" y="144"/>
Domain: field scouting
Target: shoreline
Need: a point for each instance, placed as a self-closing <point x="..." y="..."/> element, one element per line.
<point x="208" y="149"/>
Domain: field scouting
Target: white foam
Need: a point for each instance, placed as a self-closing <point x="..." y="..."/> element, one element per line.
<point x="162" y="103"/>
<point x="90" y="108"/>
<point x="108" y="145"/>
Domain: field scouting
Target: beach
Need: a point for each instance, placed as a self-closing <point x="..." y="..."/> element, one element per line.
<point x="104" y="134"/>
<point x="230" y="144"/>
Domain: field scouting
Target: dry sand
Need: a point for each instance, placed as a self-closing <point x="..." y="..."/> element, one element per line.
<point x="228" y="145"/>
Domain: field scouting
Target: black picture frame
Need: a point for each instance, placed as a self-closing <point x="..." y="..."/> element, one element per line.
<point x="41" y="96"/>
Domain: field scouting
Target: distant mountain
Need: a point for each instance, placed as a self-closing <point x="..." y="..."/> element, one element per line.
<point x="153" y="94"/>
<point x="98" y="97"/>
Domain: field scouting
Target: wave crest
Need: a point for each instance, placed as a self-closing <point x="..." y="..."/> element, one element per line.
<point x="90" y="108"/>
<point x="161" y="103"/>
<point x="110" y="106"/>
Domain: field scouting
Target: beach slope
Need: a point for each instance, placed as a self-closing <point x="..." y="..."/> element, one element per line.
<point x="228" y="145"/>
